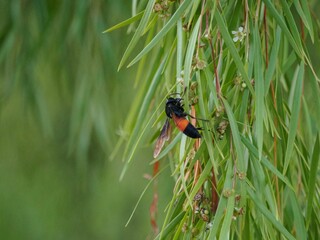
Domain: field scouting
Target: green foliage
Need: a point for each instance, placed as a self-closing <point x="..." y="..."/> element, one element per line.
<point x="246" y="66"/>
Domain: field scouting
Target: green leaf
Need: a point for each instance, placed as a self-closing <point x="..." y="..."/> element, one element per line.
<point x="189" y="57"/>
<point x="176" y="202"/>
<point x="280" y="21"/>
<point x="303" y="11"/>
<point x="170" y="226"/>
<point x="294" y="116"/>
<point x="265" y="161"/>
<point x="292" y="24"/>
<point x="223" y="203"/>
<point x="170" y="24"/>
<point x="180" y="56"/>
<point x="207" y="137"/>
<point x="194" y="9"/>
<point x="136" y="37"/>
<point x="225" y="228"/>
<point x="136" y="135"/>
<point x="259" y="88"/>
<point x="298" y="217"/>
<point x="264" y="210"/>
<point x="203" y="177"/>
<point x="235" y="136"/>
<point x="234" y="52"/>
<point x="314" y="167"/>
<point x="125" y="23"/>
<point x="273" y="61"/>
<point x="239" y="149"/>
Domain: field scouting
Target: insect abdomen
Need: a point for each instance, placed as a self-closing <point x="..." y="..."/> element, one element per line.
<point x="186" y="127"/>
<point x="191" y="131"/>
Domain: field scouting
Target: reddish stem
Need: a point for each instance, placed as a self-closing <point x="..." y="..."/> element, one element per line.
<point x="154" y="205"/>
<point x="215" y="196"/>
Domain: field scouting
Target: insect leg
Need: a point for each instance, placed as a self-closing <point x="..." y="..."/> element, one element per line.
<point x="206" y="120"/>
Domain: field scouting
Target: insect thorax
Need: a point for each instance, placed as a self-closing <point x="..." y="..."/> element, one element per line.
<point x="173" y="105"/>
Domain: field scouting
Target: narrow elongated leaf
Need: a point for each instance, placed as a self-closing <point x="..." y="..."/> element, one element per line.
<point x="314" y="167"/>
<point x="222" y="206"/>
<point x="195" y="6"/>
<point x="259" y="88"/>
<point x="235" y="136"/>
<point x="234" y="52"/>
<point x="273" y="61"/>
<point x="204" y="176"/>
<point x="279" y="19"/>
<point x="170" y="24"/>
<point x="241" y="165"/>
<point x="304" y="13"/>
<point x="136" y="37"/>
<point x="265" y="162"/>
<point x="172" y="215"/>
<point x="170" y="226"/>
<point x="298" y="217"/>
<point x="263" y="209"/>
<point x="292" y="24"/>
<point x="189" y="57"/>
<point x="294" y="116"/>
<point x="225" y="229"/>
<point x="180" y="45"/>
<point x="244" y="107"/>
<point x="136" y="134"/>
<point x="125" y="22"/>
<point x="207" y="137"/>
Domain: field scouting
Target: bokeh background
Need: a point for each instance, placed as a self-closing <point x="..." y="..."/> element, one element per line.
<point x="62" y="107"/>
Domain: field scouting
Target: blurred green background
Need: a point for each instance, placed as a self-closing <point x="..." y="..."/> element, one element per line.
<point x="62" y="105"/>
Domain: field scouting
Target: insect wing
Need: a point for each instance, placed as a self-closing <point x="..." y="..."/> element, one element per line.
<point x="164" y="136"/>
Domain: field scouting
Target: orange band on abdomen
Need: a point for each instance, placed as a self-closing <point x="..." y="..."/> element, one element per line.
<point x="181" y="123"/>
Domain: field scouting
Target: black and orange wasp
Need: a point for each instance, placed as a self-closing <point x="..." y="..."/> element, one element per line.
<point x="175" y="111"/>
